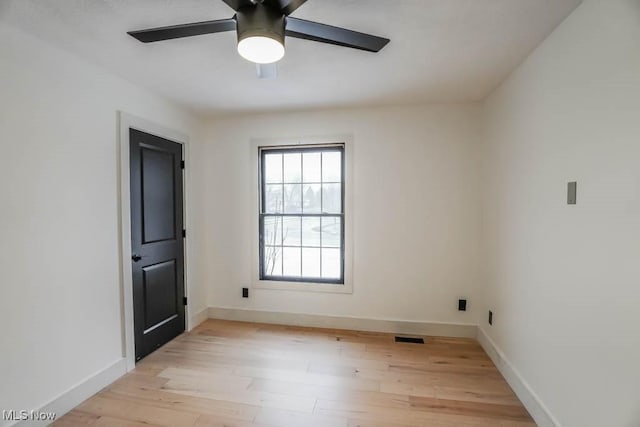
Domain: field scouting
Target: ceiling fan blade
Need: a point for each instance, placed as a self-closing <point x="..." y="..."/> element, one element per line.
<point x="285" y="6"/>
<point x="292" y="5"/>
<point x="237" y="4"/>
<point x="184" y="30"/>
<point x="308" y="30"/>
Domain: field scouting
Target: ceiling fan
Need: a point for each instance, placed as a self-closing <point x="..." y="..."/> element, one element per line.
<point x="261" y="26"/>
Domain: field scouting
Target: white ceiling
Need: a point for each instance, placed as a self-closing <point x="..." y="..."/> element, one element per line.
<point x="440" y="51"/>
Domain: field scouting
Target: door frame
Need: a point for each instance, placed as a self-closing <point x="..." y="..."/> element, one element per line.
<point x="125" y="122"/>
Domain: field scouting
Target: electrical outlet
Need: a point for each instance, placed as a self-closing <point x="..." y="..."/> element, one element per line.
<point x="490" y="317"/>
<point x="462" y="305"/>
<point x="245" y="292"/>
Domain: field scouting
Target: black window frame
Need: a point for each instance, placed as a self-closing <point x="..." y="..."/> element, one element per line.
<point x="307" y="148"/>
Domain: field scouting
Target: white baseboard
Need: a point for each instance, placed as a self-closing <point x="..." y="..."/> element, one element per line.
<point x="80" y="392"/>
<point x="350" y="323"/>
<point x="198" y="318"/>
<point x="540" y="413"/>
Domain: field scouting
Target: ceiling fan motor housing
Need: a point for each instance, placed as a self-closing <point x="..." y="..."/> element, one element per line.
<point x="260" y="21"/>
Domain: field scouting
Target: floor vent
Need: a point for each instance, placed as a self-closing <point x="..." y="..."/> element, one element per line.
<point x="410" y="340"/>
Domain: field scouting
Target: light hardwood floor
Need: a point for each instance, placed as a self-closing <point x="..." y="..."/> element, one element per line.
<point x="246" y="374"/>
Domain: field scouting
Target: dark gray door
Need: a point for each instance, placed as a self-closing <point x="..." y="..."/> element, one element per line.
<point x="156" y="240"/>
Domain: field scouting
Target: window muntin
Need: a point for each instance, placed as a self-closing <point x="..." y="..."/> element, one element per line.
<point x="302" y="214"/>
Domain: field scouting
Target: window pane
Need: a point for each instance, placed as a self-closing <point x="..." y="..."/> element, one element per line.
<point x="310" y="262"/>
<point x="272" y="260"/>
<point x="311" y="232"/>
<point x="292" y="262"/>
<point x="292" y="167"/>
<point x="311" y="167"/>
<point x="311" y="201"/>
<point x="273" y="198"/>
<point x="331" y="198"/>
<point x="331" y="166"/>
<point x="331" y="263"/>
<point x="292" y="198"/>
<point x="331" y="232"/>
<point x="291" y="231"/>
<point x="273" y="168"/>
<point x="272" y="231"/>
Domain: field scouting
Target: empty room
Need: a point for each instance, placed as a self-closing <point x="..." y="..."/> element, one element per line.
<point x="320" y="213"/>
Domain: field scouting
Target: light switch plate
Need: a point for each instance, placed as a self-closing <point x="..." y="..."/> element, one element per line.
<point x="572" y="189"/>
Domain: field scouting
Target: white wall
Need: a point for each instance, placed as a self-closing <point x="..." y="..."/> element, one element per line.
<point x="415" y="211"/>
<point x="563" y="281"/>
<point x="60" y="319"/>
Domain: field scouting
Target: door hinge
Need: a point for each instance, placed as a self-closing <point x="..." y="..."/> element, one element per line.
<point x="181" y="164"/>
<point x="184" y="233"/>
<point x="184" y="300"/>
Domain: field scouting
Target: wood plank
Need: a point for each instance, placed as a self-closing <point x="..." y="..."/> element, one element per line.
<point x="130" y="411"/>
<point x="164" y="399"/>
<point x="279" y="417"/>
<point x="371" y="413"/>
<point x="118" y="422"/>
<point x="328" y="393"/>
<point x="507" y="412"/>
<point x="309" y="378"/>
<point x="267" y="400"/>
<point x="218" y="421"/>
<point x="76" y="418"/>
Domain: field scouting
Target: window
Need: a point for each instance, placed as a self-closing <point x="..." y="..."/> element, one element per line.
<point x="302" y="214"/>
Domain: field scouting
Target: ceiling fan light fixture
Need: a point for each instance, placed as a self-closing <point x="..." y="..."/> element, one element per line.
<point x="260" y="34"/>
<point x="260" y="49"/>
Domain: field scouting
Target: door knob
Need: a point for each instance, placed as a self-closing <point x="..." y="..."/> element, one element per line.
<point x="136" y="257"/>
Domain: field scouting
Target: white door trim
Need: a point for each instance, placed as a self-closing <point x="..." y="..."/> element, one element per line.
<point x="126" y="122"/>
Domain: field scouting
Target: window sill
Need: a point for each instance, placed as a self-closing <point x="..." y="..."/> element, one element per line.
<point x="303" y="286"/>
